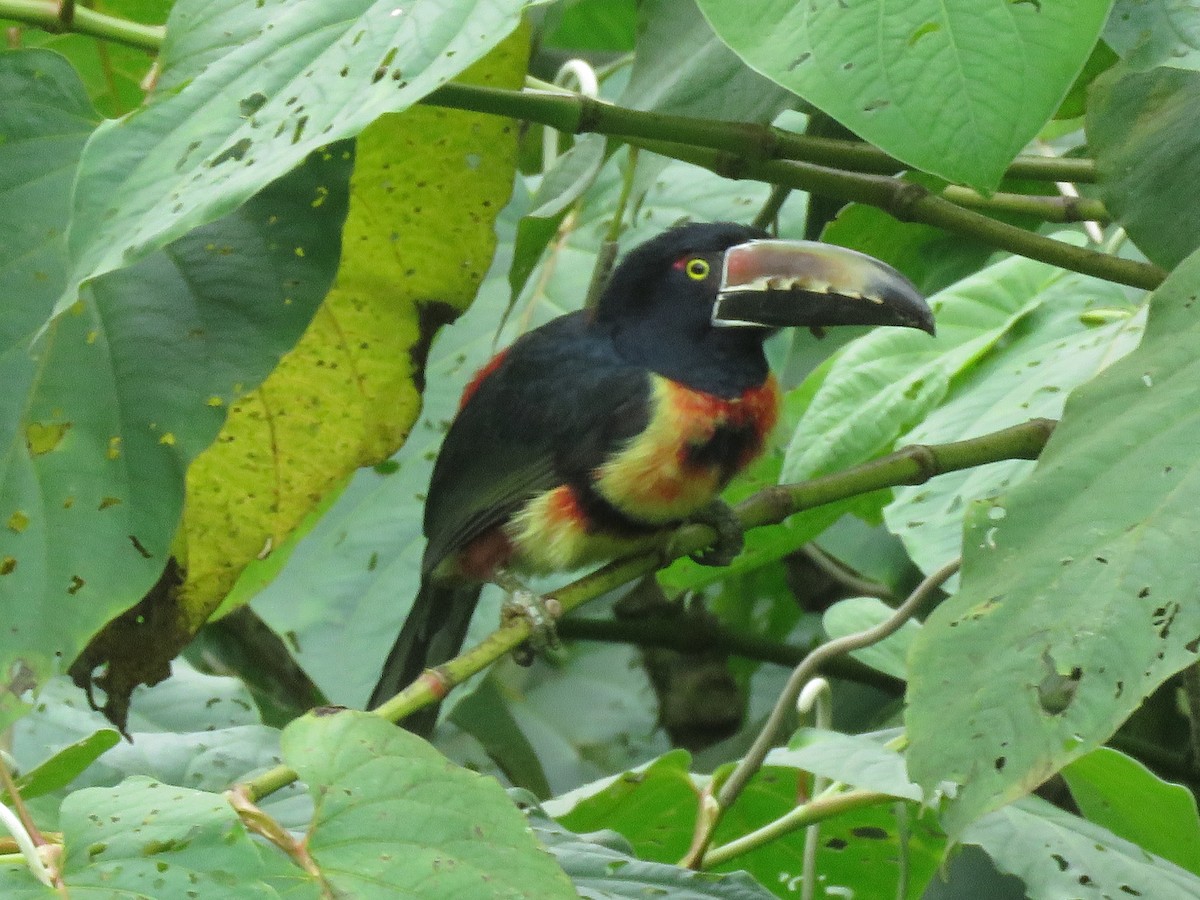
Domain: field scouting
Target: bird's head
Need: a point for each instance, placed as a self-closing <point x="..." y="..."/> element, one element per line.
<point x="712" y="292"/>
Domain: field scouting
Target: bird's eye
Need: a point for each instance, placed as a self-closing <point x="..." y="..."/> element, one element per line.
<point x="697" y="269"/>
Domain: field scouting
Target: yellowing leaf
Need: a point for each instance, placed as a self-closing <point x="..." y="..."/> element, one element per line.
<point x="427" y="186"/>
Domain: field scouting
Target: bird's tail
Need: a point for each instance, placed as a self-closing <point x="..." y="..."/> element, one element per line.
<point x="432" y="634"/>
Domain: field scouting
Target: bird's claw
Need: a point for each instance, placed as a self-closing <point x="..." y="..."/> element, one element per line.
<point x="525" y="604"/>
<point x="731" y="536"/>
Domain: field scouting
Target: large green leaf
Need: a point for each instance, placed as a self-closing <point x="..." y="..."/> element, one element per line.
<point x="1142" y="128"/>
<point x="886" y="70"/>
<point x="1084" y="327"/>
<point x="885" y="382"/>
<point x="106" y="405"/>
<point x="681" y="67"/>
<point x="156" y="840"/>
<point x="602" y="867"/>
<point x="1119" y="793"/>
<point x="1149" y="33"/>
<point x="308" y="74"/>
<point x="1078" y="587"/>
<point x="393" y="817"/>
<point x="1057" y="855"/>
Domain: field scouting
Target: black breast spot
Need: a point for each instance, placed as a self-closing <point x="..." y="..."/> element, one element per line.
<point x="725" y="450"/>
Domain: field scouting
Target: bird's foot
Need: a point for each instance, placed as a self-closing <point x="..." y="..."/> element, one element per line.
<point x="731" y="537"/>
<point x="539" y="611"/>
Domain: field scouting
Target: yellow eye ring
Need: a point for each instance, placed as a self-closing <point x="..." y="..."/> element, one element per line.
<point x="697" y="269"/>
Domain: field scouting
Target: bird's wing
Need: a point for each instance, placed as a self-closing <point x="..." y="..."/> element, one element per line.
<point x="554" y="407"/>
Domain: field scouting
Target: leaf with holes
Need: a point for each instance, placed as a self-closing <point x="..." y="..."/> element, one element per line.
<point x="1057" y="854"/>
<point x="1076" y="598"/>
<point x="106" y="405"/>
<point x="1084" y="327"/>
<point x="882" y="384"/>
<point x="260" y="100"/>
<point x="418" y="240"/>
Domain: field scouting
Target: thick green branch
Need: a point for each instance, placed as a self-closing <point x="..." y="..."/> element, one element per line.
<point x="576" y="114"/>
<point x="911" y="465"/>
<point x="44" y="14"/>
<point x="911" y="202"/>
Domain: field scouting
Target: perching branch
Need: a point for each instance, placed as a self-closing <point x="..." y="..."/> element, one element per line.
<point x="911" y="465"/>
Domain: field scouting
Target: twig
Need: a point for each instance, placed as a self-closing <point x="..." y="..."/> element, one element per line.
<point x="693" y="635"/>
<point x="847" y="578"/>
<point x="753" y="760"/>
<point x="23" y="830"/>
<point x="770" y="210"/>
<point x="815" y="693"/>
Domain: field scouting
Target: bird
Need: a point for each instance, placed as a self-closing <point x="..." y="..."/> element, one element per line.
<point x="598" y="433"/>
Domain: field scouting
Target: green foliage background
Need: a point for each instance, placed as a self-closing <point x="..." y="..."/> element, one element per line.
<point x="232" y="250"/>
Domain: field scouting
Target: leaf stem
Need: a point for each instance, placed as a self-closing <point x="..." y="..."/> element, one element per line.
<point x="801" y="817"/>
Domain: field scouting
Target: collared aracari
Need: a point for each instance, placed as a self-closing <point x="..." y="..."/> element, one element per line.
<point x="600" y="432"/>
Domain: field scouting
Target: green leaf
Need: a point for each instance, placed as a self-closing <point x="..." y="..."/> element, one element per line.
<point x="653" y="808"/>
<point x="600" y="871"/>
<point x="108" y="404"/>
<point x="682" y="68"/>
<point x="855" y="759"/>
<point x="1119" y="793"/>
<point x="1141" y="128"/>
<point x="1072" y="607"/>
<point x="563" y="184"/>
<point x="885" y="70"/>
<point x="592" y="25"/>
<point x="860" y="613"/>
<point x="155" y="840"/>
<point x="1057" y="348"/>
<point x="237" y="124"/>
<point x="884" y="383"/>
<point x="867" y="852"/>
<point x="1060" y="855"/>
<point x="66" y="764"/>
<point x="393" y="814"/>
<point x="1149" y="33"/>
<point x="193" y="730"/>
